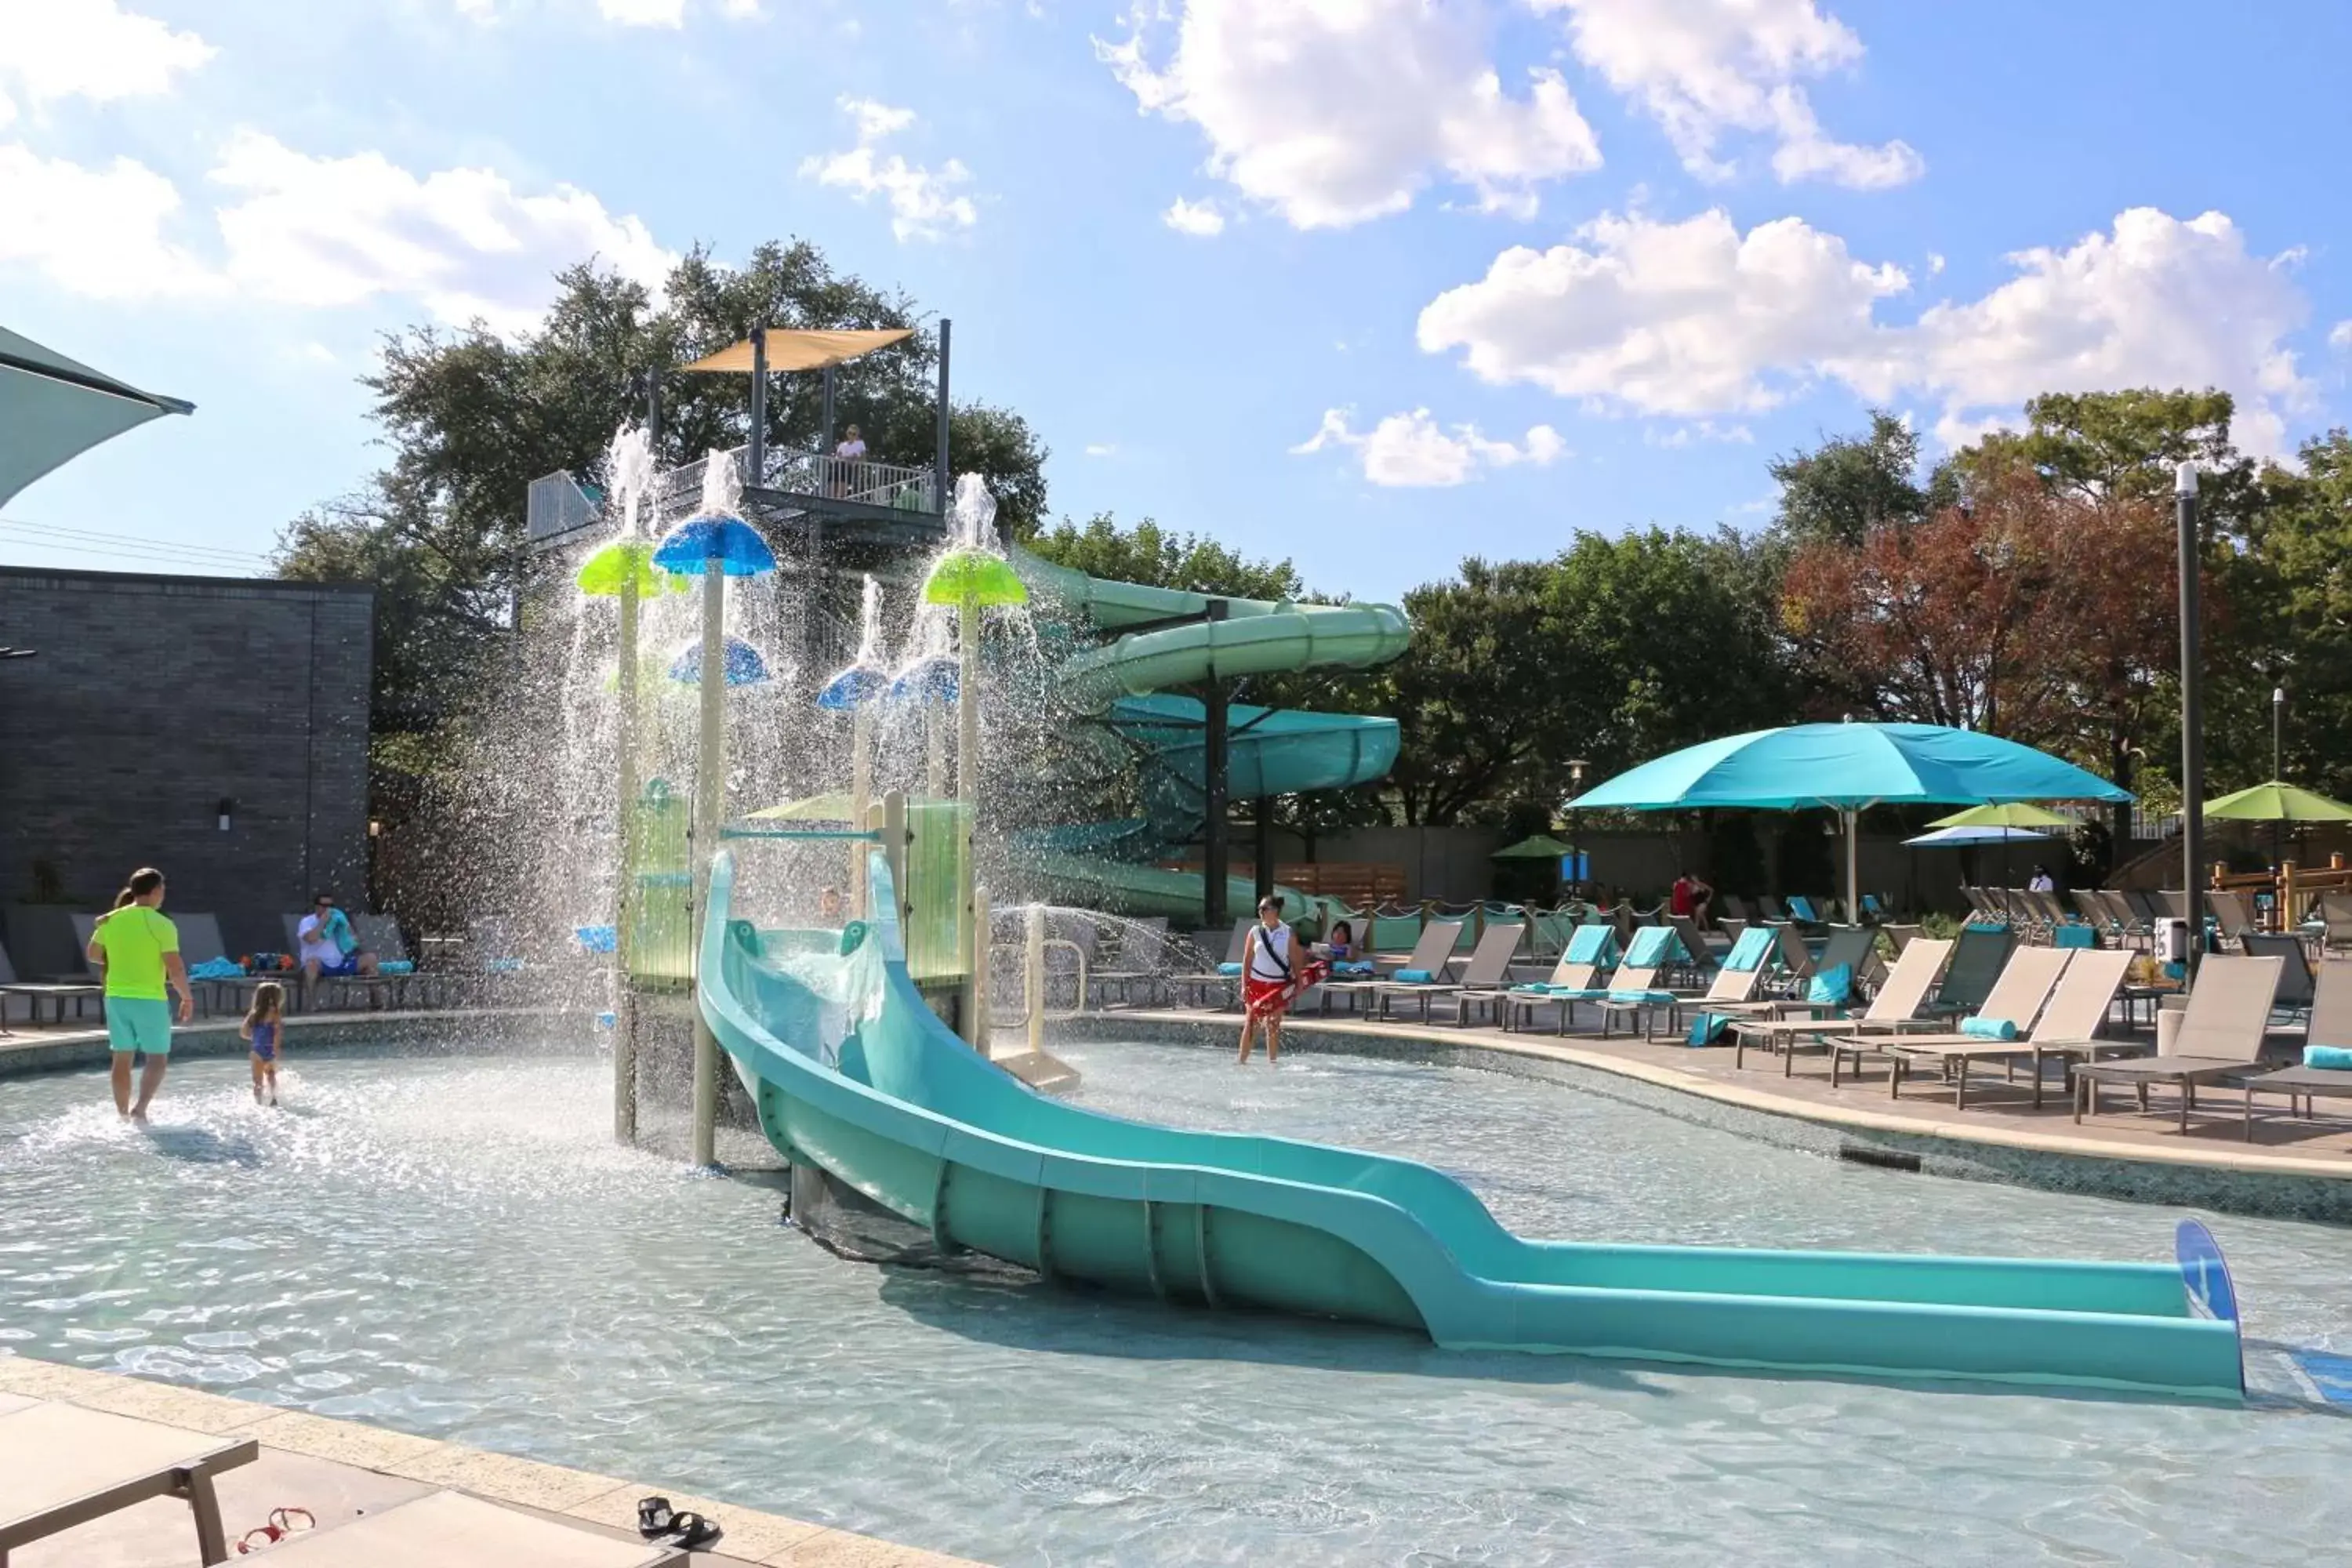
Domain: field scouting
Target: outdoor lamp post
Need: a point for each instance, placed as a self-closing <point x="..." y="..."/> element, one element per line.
<point x="2192" y="708"/>
<point x="1576" y="766"/>
<point x="2278" y="772"/>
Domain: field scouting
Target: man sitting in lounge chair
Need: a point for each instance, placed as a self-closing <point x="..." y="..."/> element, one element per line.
<point x="329" y="947"/>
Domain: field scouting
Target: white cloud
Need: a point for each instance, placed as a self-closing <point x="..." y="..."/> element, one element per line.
<point x="1103" y="449"/>
<point x="1334" y="114"/>
<point x="317" y="231"/>
<point x="1703" y="67"/>
<point x="924" y="203"/>
<point x="52" y="50"/>
<point x="1413" y="450"/>
<point x="1695" y="318"/>
<point x="1935" y="263"/>
<point x="1698" y="431"/>
<point x="1199" y="219"/>
<point x="2340" y="336"/>
<point x="1689" y="318"/>
<point x="669" y="14"/>
<point x="98" y="232"/>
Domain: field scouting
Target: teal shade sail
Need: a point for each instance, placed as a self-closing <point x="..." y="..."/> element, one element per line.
<point x="1847" y="767"/>
<point x="53" y="409"/>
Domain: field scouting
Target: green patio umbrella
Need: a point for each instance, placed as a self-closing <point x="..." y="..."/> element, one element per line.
<point x="2004" y="814"/>
<point x="2276" y="802"/>
<point x="53" y="409"/>
<point x="1543" y="846"/>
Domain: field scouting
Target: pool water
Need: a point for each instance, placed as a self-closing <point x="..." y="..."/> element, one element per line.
<point x="450" y="1244"/>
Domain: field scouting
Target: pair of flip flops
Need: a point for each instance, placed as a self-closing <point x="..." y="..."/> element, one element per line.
<point x="656" y="1521"/>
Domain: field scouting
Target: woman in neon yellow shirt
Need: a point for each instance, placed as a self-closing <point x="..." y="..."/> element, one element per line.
<point x="139" y="951"/>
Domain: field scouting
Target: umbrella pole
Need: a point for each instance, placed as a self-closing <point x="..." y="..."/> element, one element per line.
<point x="711" y="803"/>
<point x="1853" y="867"/>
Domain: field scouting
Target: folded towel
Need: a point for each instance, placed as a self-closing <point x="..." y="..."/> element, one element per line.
<point x="2075" y="936"/>
<point x="216" y="969"/>
<point x="1989" y="1028"/>
<point x="1229" y="969"/>
<point x="1832" y="985"/>
<point x="396" y="966"/>
<point x="504" y="966"/>
<point x="2336" y="1058"/>
<point x="1413" y="977"/>
<point x="1349" y="967"/>
<point x="1642" y="998"/>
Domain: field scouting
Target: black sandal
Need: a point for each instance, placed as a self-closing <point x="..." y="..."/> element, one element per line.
<point x="657" y="1522"/>
<point x="654" y="1517"/>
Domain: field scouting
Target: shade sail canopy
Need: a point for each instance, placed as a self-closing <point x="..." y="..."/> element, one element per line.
<point x="1541" y="846"/>
<point x="1964" y="837"/>
<point x="803" y="348"/>
<point x="1847" y="767"/>
<point x="2276" y="802"/>
<point x="53" y="409"/>
<point x="2004" y="814"/>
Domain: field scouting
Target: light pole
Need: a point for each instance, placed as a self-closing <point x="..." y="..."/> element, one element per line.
<point x="2192" y="712"/>
<point x="2278" y="775"/>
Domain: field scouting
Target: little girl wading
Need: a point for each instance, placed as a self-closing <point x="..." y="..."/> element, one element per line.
<point x="261" y="1029"/>
<point x="1275" y="970"/>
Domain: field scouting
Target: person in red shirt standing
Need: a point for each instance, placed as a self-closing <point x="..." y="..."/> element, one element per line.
<point x="1692" y="897"/>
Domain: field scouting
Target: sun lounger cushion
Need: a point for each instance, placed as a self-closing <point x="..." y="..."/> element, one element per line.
<point x="396" y="966"/>
<point x="1413" y="977"/>
<point x="1749" y="954"/>
<point x="1642" y="998"/>
<point x="1989" y="1028"/>
<point x="1228" y="968"/>
<point x="1707" y="1029"/>
<point x="1591" y="945"/>
<point x="1832" y="985"/>
<point x="1651" y="946"/>
<point x="2073" y="936"/>
<point x="2334" y="1057"/>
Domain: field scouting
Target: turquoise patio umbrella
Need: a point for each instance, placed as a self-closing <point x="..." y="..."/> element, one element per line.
<point x="1847" y="768"/>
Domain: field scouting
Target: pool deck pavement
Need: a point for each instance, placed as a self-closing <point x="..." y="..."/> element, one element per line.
<point x="1998" y="1114"/>
<point x="340" y="1469"/>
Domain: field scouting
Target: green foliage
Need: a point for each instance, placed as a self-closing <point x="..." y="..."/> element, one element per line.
<point x="1158" y="558"/>
<point x="2297" y="582"/>
<point x="1848" y="485"/>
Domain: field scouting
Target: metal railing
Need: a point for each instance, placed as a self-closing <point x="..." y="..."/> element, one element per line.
<point x="795" y="472"/>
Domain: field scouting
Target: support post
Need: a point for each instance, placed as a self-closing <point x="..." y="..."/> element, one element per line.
<point x="1262" y="833"/>
<point x="2192" y="709"/>
<point x="1213" y="781"/>
<point x="1033" y="979"/>
<point x="935" y="746"/>
<point x="861" y="795"/>
<point x="894" y="849"/>
<point x="824" y="442"/>
<point x="625" y="1039"/>
<point x="709" y="808"/>
<point x="970" y="1010"/>
<point x="756" y="451"/>
<point x="939" y="461"/>
<point x="1853" y="867"/>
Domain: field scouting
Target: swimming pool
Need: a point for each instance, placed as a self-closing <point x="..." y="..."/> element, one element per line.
<point x="451" y="1246"/>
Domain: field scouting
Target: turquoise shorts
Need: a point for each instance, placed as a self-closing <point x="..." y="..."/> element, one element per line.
<point x="139" y="1024"/>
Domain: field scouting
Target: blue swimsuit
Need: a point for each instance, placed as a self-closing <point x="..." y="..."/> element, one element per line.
<point x="265" y="1041"/>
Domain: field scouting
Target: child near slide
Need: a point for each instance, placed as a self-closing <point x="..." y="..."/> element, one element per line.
<point x="264" y="1026"/>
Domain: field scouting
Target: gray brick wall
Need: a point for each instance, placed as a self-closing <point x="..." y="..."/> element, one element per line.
<point x="150" y="701"/>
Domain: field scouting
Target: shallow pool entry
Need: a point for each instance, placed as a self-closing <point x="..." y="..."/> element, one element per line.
<point x="452" y="1246"/>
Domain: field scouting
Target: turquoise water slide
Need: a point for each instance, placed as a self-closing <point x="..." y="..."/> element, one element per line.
<point x="852" y="1073"/>
<point x="1269" y="751"/>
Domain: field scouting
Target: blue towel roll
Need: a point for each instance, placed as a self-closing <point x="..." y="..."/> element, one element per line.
<point x="2334" y="1058"/>
<point x="1989" y="1028"/>
<point x="1229" y="969"/>
<point x="1413" y="976"/>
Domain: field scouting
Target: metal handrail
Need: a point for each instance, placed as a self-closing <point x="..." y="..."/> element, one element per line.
<point x="1052" y="1015"/>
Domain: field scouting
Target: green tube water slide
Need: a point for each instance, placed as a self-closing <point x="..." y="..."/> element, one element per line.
<point x="853" y="1074"/>
<point x="1269" y="751"/>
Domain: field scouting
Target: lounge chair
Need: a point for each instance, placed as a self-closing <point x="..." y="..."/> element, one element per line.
<point x="1634" y="991"/>
<point x="2331" y="1024"/>
<point x="450" y="1529"/>
<point x="1731" y="904"/>
<point x="369" y="985"/>
<point x="56" y="994"/>
<point x="1705" y="949"/>
<point x="1488" y="973"/>
<point x="2025" y="983"/>
<point x="61" y="1466"/>
<point x="1432" y="953"/>
<point x="1851" y="947"/>
<point x="1590" y="949"/>
<point x="2297" y="985"/>
<point x="1224" y="982"/>
<point x="2230" y="912"/>
<point x="2172" y="902"/>
<point x="2335" y="914"/>
<point x="1770" y="909"/>
<point x="1895" y="1006"/>
<point x="2068" y="1026"/>
<point x="1978" y="956"/>
<point x="2220" y="1036"/>
<point x="1141" y="946"/>
<point x="2094" y="913"/>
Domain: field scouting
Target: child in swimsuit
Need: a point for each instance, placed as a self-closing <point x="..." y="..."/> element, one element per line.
<point x="260" y="1030"/>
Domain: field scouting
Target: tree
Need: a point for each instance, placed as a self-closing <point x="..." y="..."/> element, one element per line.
<point x="1848" y="485"/>
<point x="2299" y="572"/>
<point x="1153" y="556"/>
<point x="1478" y="697"/>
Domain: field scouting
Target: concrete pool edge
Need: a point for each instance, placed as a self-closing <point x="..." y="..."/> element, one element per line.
<point x="530" y="1485"/>
<point x="61" y="1051"/>
<point x="2199" y="1176"/>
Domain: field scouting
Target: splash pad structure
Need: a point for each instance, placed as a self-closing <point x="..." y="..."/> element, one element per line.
<point x="861" y="1041"/>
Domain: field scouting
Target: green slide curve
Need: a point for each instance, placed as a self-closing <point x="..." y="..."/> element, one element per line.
<point x="899" y="1108"/>
<point x="1269" y="751"/>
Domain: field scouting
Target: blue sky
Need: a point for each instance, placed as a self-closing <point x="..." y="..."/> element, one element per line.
<point x="1482" y="275"/>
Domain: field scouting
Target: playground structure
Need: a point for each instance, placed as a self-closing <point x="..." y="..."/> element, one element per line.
<point x="862" y="1040"/>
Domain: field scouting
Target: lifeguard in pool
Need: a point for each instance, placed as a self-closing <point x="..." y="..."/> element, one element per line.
<point x="1275" y="967"/>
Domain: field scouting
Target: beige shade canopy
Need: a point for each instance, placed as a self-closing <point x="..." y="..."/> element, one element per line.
<point x="805" y="349"/>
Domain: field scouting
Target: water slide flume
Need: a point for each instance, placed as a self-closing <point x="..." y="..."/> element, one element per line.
<point x="879" y="1093"/>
